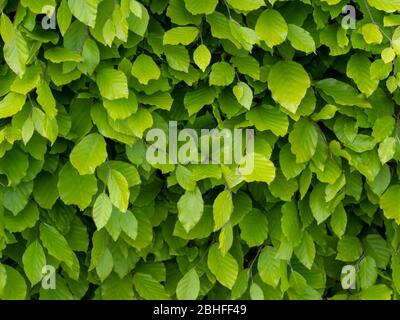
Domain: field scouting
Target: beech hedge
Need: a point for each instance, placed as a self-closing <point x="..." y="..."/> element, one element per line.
<point x="85" y="215"/>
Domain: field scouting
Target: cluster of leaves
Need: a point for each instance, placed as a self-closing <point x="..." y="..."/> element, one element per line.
<point x="77" y="192"/>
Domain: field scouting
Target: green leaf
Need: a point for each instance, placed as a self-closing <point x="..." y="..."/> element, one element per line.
<point x="243" y="94"/>
<point x="75" y="189"/>
<point x="145" y="69"/>
<point x="376" y="292"/>
<point x="222" y="209"/>
<point x="222" y="74"/>
<point x="11" y="104"/>
<point x="263" y="170"/>
<point x="15" y="49"/>
<point x="149" y="288"/>
<point x="288" y="82"/>
<point x="319" y="208"/>
<point x="202" y="57"/>
<point x="46" y="100"/>
<point x="224" y="267"/>
<point x="338" y="221"/>
<point x="269" y="267"/>
<point x="64" y="17"/>
<point x="34" y="260"/>
<point x="385" y="5"/>
<point x="84" y="10"/>
<point x="342" y="93"/>
<point x="226" y="238"/>
<point x="388" y="203"/>
<point x="15" y="288"/>
<point x="104" y="265"/>
<point x="177" y="57"/>
<point x="371" y="33"/>
<point x="287" y="161"/>
<point x="90" y="57"/>
<point x="205" y="7"/>
<point x="256" y="293"/>
<point x="358" y="69"/>
<point x="185" y="178"/>
<point x="121" y="108"/>
<point x="89" y="153"/>
<point x="349" y="249"/>
<point x="254" y="228"/>
<point x="246" y="5"/>
<point x="56" y="244"/>
<point x="269" y="118"/>
<point x="189" y="286"/>
<point x="59" y="54"/>
<point x="180" y="35"/>
<point x="368" y="272"/>
<point x="291" y="224"/>
<point x="395" y="265"/>
<point x="190" y="209"/>
<point x="102" y="210"/>
<point x="112" y="84"/>
<point x="297" y="282"/>
<point x="303" y="140"/>
<point x="129" y="225"/>
<point x="118" y="190"/>
<point x="301" y="39"/>
<point x="3" y="277"/>
<point x="271" y="27"/>
<point x="377" y="248"/>
<point x="306" y="252"/>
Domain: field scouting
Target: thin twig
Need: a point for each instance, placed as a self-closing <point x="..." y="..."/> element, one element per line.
<point x="227" y="8"/>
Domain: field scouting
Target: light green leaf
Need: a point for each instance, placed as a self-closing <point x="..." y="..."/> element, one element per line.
<point x="246" y="5"/>
<point x="389" y="203"/>
<point x="11" y="104"/>
<point x="301" y="39"/>
<point x="102" y="210"/>
<point x="189" y="286"/>
<point x="222" y="209"/>
<point x="271" y="27"/>
<point x="224" y="267"/>
<point x="349" y="249"/>
<point x="222" y="74"/>
<point x="112" y="84"/>
<point x="74" y="188"/>
<point x="15" y="288"/>
<point x="291" y="224"/>
<point x="288" y="82"/>
<point x="303" y="140"/>
<point x="89" y="153"/>
<point x="190" y="209"/>
<point x="202" y="57"/>
<point x="145" y="69"/>
<point x="56" y="244"/>
<point x="367" y="273"/>
<point x="118" y="190"/>
<point x="84" y="10"/>
<point x="254" y="228"/>
<point x="180" y="35"/>
<point x="205" y="7"/>
<point x="34" y="260"/>
<point x="269" y="267"/>
<point x="149" y="288"/>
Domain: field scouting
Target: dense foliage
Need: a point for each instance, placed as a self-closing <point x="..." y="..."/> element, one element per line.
<point x="80" y="89"/>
